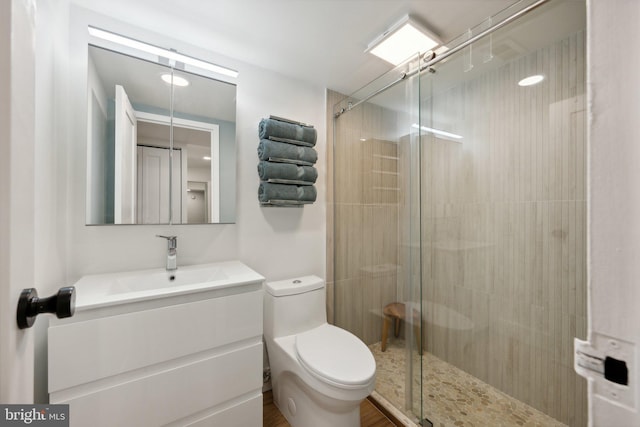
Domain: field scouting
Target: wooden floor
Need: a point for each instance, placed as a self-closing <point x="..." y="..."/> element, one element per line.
<point x="370" y="416"/>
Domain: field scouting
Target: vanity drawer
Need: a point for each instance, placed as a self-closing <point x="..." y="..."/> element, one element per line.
<point x="174" y="395"/>
<point x="247" y="413"/>
<point x="92" y="350"/>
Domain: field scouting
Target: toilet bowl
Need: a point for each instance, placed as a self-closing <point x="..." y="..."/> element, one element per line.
<point x="320" y="373"/>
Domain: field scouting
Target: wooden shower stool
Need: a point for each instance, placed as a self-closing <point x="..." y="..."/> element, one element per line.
<point x="396" y="311"/>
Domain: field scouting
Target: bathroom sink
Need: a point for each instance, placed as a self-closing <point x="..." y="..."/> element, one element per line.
<point x="159" y="279"/>
<point x="101" y="290"/>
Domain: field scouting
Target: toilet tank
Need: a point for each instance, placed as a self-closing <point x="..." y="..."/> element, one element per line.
<point x="294" y="305"/>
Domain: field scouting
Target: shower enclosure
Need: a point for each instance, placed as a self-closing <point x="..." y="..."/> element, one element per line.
<point x="459" y="215"/>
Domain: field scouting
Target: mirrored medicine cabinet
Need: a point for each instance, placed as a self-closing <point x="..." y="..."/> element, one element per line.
<point x="160" y="143"/>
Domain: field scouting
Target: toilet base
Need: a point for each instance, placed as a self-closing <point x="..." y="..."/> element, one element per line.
<point x="303" y="407"/>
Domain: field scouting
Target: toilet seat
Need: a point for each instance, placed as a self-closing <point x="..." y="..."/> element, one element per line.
<point x="335" y="356"/>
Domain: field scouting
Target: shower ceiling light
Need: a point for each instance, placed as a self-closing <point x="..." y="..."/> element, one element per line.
<point x="402" y="40"/>
<point x="531" y="80"/>
<point x="160" y="52"/>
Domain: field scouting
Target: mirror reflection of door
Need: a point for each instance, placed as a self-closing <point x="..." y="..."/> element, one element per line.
<point x="125" y="160"/>
<point x="195" y="145"/>
<point x="153" y="185"/>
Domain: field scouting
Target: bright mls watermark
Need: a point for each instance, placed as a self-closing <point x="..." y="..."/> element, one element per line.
<point x="34" y="415"/>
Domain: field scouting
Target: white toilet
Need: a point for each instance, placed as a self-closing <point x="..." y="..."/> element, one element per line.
<point x="320" y="373"/>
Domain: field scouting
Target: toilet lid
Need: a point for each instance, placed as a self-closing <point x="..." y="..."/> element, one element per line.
<point x="331" y="353"/>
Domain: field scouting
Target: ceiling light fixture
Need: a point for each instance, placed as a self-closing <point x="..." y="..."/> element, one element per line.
<point x="206" y="158"/>
<point x="437" y="132"/>
<point x="405" y="38"/>
<point x="531" y="80"/>
<point x="174" y="80"/>
<point x="161" y="52"/>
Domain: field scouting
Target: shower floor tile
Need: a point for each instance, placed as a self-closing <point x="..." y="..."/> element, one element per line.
<point x="452" y="398"/>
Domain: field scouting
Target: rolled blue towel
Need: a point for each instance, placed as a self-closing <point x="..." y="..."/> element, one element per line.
<point x="302" y="193"/>
<point x="270" y="170"/>
<point x="277" y="128"/>
<point x="281" y="150"/>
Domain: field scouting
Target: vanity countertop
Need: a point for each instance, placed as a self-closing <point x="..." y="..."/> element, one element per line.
<point x="103" y="290"/>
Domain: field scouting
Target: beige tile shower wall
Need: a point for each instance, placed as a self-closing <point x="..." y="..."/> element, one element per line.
<point x="366" y="194"/>
<point x="504" y="221"/>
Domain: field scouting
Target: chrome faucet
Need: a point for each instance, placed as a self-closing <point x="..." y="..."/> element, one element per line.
<point x="172" y="257"/>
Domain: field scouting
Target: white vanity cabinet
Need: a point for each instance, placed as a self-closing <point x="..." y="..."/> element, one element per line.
<point x="190" y="355"/>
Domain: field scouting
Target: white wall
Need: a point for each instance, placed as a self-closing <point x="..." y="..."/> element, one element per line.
<point x="278" y="242"/>
<point x="614" y="215"/>
<point x="199" y="174"/>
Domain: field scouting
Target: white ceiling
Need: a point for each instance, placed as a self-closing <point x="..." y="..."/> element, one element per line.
<point x="319" y="41"/>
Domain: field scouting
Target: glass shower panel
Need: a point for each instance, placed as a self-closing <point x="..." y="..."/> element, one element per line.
<point x="376" y="229"/>
<point x="503" y="212"/>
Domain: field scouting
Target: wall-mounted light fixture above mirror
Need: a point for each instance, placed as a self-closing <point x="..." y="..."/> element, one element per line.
<point x="161" y="136"/>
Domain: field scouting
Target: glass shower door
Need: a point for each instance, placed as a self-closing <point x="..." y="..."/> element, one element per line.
<point x="503" y="225"/>
<point x="377" y="229"/>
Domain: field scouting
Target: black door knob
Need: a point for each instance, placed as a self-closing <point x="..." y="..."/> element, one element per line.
<point x="62" y="304"/>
